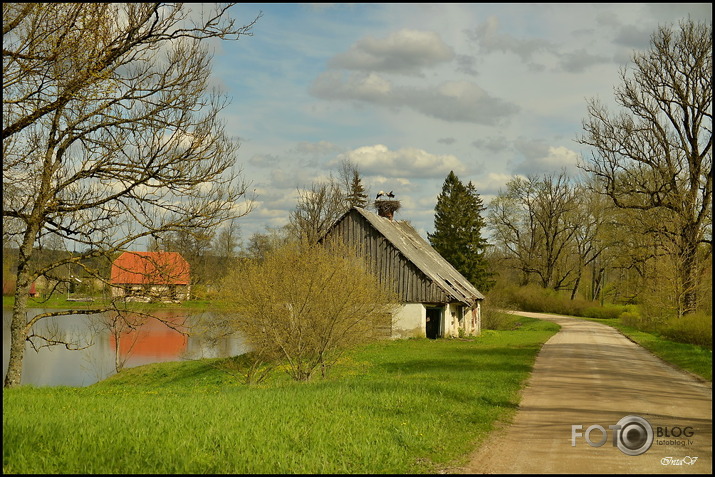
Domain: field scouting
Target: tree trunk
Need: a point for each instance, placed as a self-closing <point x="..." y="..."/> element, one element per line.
<point x="18" y="331"/>
<point x="118" y="364"/>
<point x="598" y="283"/>
<point x="575" y="287"/>
<point x="689" y="279"/>
<point x="18" y="325"/>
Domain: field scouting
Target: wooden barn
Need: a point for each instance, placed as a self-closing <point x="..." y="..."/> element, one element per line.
<point x="151" y="276"/>
<point x="438" y="301"/>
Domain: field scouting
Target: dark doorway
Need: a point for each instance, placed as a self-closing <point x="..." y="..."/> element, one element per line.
<point x="433" y="327"/>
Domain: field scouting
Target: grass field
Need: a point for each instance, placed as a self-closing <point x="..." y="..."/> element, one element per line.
<point x="407" y="406"/>
<point x="60" y="301"/>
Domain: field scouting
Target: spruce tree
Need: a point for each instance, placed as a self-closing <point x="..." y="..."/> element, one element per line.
<point x="478" y="270"/>
<point x="457" y="236"/>
<point x="356" y="196"/>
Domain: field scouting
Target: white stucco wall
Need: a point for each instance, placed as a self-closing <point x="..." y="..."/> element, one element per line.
<point x="459" y="317"/>
<point x="450" y="320"/>
<point x="410" y="321"/>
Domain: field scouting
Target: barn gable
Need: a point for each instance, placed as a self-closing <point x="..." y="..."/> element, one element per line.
<point x="401" y="257"/>
<point x="436" y="300"/>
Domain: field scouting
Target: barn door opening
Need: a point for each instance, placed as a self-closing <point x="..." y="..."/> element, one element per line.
<point x="433" y="328"/>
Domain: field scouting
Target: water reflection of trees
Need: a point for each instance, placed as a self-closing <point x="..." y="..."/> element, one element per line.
<point x="154" y="333"/>
<point x="108" y="341"/>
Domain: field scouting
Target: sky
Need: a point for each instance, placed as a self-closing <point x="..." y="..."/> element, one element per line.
<point x="410" y="92"/>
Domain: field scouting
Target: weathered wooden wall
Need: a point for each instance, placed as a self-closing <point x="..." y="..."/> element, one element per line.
<point x="387" y="262"/>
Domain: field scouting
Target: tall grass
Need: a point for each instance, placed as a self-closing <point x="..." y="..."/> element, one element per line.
<point x="390" y="407"/>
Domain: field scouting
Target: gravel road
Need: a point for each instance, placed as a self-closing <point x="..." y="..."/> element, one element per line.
<point x="588" y="374"/>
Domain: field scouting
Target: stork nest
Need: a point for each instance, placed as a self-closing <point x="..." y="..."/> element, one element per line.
<point x="387" y="207"/>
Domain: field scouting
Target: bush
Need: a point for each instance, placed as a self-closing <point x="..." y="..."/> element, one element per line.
<point x="493" y="319"/>
<point x="696" y="328"/>
<point x="249" y="368"/>
<point x="630" y="318"/>
<point x="608" y="311"/>
<point x="546" y="300"/>
<point x="304" y="304"/>
<point x="493" y="316"/>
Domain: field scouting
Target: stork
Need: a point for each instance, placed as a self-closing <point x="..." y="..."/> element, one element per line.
<point x="380" y="194"/>
<point x="390" y="195"/>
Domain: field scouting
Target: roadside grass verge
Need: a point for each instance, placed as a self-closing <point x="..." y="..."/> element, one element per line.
<point x="405" y="406"/>
<point x="689" y="357"/>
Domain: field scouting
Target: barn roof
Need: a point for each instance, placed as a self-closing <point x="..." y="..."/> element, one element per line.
<point x="418" y="251"/>
<point x="150" y="268"/>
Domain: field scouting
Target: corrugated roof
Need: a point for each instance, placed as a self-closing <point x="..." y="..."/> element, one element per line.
<point x="145" y="268"/>
<point x="418" y="251"/>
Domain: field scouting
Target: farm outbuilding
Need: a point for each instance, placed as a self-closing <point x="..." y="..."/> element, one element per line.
<point x="151" y="276"/>
<point x="437" y="300"/>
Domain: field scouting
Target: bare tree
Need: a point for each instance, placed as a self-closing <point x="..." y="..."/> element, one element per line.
<point x="589" y="218"/>
<point x="317" y="209"/>
<point x="194" y="244"/>
<point x="656" y="155"/>
<point x="533" y="221"/>
<point x="227" y="241"/>
<point x="261" y="244"/>
<point x="110" y="132"/>
<point x="120" y="326"/>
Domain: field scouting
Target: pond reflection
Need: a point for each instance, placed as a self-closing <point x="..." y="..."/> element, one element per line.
<point x="151" y="342"/>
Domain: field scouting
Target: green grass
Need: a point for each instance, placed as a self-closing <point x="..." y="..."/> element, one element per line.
<point x="405" y="406"/>
<point x="689" y="357"/>
<point x="59" y="301"/>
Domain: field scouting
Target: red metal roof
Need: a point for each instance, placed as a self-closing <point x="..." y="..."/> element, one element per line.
<point x="145" y="268"/>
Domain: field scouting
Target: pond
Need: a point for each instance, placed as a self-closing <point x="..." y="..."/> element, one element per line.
<point x="151" y="342"/>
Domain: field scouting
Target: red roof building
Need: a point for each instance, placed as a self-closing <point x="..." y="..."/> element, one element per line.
<point x="151" y="276"/>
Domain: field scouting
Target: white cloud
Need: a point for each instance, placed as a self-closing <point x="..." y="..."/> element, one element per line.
<point x="407" y="162"/>
<point x="491" y="184"/>
<point x="379" y="180"/>
<point x="492" y="144"/>
<point x="356" y="86"/>
<point x="459" y="101"/>
<point x="405" y="51"/>
<point x="552" y="159"/>
<point x="488" y="90"/>
<point x="489" y="37"/>
<point x="316" y="148"/>
<point x="578" y="61"/>
<point x="264" y="160"/>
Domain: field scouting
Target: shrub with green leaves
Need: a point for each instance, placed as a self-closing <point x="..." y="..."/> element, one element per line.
<point x="696" y="328"/>
<point x="303" y="304"/>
